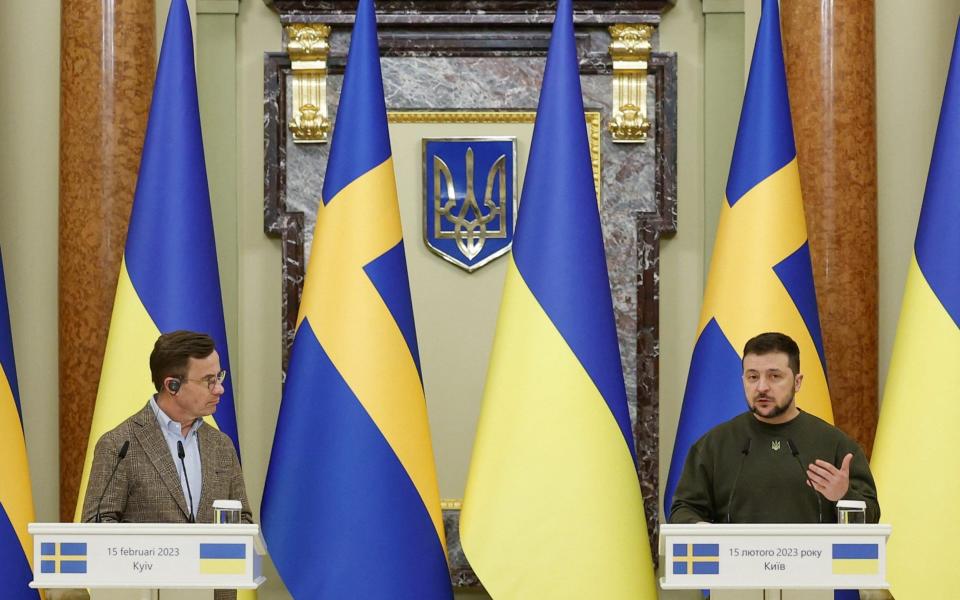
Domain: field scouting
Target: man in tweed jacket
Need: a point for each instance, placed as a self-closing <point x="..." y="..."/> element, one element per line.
<point x="149" y="484"/>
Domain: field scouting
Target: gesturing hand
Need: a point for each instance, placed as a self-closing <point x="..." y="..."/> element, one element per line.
<point x="830" y="481"/>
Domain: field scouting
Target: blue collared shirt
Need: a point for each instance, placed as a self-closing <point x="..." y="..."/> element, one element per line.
<point x="191" y="448"/>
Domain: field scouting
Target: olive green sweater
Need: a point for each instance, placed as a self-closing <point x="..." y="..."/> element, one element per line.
<point x="771" y="487"/>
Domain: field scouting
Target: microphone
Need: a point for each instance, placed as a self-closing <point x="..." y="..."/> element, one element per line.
<point x="120" y="456"/>
<point x="181" y="454"/>
<point x="796" y="455"/>
<point x="745" y="451"/>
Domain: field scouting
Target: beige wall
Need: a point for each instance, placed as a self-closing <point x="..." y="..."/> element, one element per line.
<point x="911" y="65"/>
<point x="258" y="31"/>
<point x="682" y="262"/>
<point x="29" y="138"/>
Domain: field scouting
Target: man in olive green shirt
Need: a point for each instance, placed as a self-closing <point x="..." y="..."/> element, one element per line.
<point x="773" y="463"/>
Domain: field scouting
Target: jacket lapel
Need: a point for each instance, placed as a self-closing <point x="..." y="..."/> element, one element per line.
<point x="155" y="447"/>
<point x="208" y="465"/>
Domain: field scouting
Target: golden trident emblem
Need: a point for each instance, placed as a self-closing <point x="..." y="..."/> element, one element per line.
<point x="469" y="222"/>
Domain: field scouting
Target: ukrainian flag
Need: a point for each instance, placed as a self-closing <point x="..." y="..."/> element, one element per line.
<point x="169" y="278"/>
<point x="553" y="507"/>
<point x="760" y="276"/>
<point x="223" y="559"/>
<point x="855" y="559"/>
<point x="915" y="461"/>
<point x="16" y="498"/>
<point x="351" y="505"/>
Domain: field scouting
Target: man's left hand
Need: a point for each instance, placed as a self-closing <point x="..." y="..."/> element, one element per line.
<point x="830" y="481"/>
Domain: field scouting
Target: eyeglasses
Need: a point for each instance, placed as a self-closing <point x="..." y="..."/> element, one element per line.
<point x="211" y="381"/>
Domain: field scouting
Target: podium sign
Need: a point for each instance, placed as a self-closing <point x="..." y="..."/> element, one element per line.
<point x="146" y="555"/>
<point x="785" y="556"/>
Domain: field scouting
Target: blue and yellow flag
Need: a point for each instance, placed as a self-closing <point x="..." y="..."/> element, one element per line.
<point x="855" y="559"/>
<point x="169" y="278"/>
<point x="760" y="275"/>
<point x="63" y="557"/>
<point x="915" y="460"/>
<point x="223" y="559"/>
<point x="16" y="498"/>
<point x="696" y="559"/>
<point x="351" y="503"/>
<point x="553" y="507"/>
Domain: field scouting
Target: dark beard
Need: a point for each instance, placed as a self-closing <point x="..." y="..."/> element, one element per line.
<point x="777" y="409"/>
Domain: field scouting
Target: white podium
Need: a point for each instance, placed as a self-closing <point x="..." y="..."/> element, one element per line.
<point x="782" y="556"/>
<point x="146" y="555"/>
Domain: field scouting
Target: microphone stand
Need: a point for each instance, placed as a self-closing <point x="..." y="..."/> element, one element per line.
<point x="796" y="455"/>
<point x="120" y="456"/>
<point x="181" y="454"/>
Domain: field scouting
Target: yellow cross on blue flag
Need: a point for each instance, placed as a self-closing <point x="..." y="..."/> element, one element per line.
<point x="16" y="499"/>
<point x="351" y="507"/>
<point x="63" y="557"/>
<point x="553" y="507"/>
<point x="760" y="275"/>
<point x="915" y="460"/>
<point x="696" y="559"/>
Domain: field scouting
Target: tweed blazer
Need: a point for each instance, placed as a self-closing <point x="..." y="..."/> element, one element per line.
<point x="146" y="487"/>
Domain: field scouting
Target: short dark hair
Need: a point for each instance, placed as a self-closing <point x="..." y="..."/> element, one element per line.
<point x="172" y="351"/>
<point x="773" y="341"/>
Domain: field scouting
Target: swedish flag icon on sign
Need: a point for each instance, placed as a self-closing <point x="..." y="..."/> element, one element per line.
<point x="63" y="557"/>
<point x="696" y="559"/>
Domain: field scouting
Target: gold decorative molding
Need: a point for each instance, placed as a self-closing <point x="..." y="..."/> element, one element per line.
<point x="308" y="46"/>
<point x="630" y="49"/>
<point x="460" y="116"/>
<point x="592" y="119"/>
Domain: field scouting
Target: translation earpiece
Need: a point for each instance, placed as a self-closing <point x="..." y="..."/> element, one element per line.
<point x="173" y="385"/>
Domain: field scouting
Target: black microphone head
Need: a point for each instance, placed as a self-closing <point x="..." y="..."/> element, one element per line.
<point x="793" y="447"/>
<point x="180" y="451"/>
<point x="746" y="447"/>
<point x="123" y="450"/>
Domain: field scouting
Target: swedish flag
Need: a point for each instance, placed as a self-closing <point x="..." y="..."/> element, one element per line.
<point x="351" y="503"/>
<point x="63" y="557"/>
<point x="696" y="559"/>
<point x="760" y="275"/>
<point x="16" y="498"/>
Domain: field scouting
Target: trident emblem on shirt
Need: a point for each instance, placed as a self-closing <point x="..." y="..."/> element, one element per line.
<point x="775" y="445"/>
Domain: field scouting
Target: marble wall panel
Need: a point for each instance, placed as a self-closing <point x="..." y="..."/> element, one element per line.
<point x="473" y="12"/>
<point x="638" y="193"/>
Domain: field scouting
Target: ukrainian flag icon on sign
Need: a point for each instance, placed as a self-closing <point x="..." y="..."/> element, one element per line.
<point x="63" y="557"/>
<point x="696" y="559"/>
<point x="856" y="559"/>
<point x="223" y="559"/>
